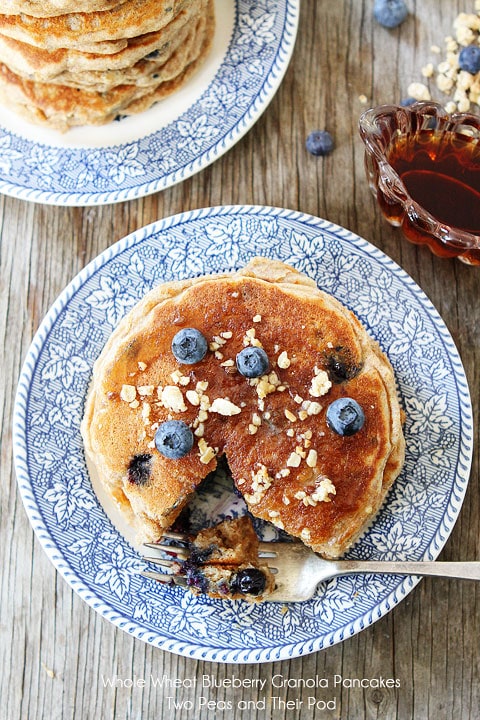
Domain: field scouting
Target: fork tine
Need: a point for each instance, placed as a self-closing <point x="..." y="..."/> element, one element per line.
<point x="182" y="537"/>
<point x="265" y="550"/>
<point x="160" y="561"/>
<point x="175" y="550"/>
<point x="165" y="578"/>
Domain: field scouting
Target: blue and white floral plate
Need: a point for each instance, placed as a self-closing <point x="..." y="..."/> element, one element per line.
<point x="178" y="137"/>
<point x="95" y="557"/>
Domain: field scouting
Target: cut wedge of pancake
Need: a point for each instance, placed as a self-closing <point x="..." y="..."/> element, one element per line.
<point x="291" y="467"/>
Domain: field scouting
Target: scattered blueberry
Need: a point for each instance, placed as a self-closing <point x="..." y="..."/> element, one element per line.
<point x="174" y="439"/>
<point x="345" y="416"/>
<point x="469" y="59"/>
<point x="139" y="469"/>
<point x="390" y="13"/>
<point x="250" y="581"/>
<point x="252" y="362"/>
<point x="406" y="102"/>
<point x="189" y="346"/>
<point x="319" y="142"/>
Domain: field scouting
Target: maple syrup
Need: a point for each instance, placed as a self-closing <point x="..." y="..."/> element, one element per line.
<point x="442" y="174"/>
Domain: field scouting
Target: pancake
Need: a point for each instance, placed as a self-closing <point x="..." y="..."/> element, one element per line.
<point x="62" y="106"/>
<point x="291" y="467"/>
<point x="49" y="8"/>
<point x="63" y="66"/>
<point x="88" y="31"/>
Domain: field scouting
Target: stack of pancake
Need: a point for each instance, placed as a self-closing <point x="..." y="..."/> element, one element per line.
<point x="87" y="62"/>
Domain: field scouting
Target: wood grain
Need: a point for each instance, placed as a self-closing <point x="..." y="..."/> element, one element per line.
<point x="56" y="653"/>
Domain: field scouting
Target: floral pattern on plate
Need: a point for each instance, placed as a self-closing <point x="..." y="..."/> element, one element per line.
<point x="94" y="556"/>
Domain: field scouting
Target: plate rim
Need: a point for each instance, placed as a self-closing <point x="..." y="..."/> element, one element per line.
<point x="196" y="650"/>
<point x="259" y="102"/>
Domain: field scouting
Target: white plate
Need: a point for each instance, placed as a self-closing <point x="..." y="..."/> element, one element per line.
<point x="91" y="553"/>
<point x="176" y="138"/>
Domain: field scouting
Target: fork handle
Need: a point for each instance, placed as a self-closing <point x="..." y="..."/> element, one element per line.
<point x="461" y="570"/>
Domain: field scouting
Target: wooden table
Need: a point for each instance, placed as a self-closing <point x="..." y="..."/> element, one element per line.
<point x="55" y="651"/>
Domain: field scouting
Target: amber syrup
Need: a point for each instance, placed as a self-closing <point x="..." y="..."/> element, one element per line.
<point x="442" y="174"/>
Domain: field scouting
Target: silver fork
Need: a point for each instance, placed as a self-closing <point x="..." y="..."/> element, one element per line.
<point x="298" y="570"/>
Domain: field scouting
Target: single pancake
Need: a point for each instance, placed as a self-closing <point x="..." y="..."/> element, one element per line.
<point x="292" y="468"/>
<point x="88" y="30"/>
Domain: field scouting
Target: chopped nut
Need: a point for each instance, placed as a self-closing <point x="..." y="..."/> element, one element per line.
<point x="128" y="393"/>
<point x="305" y="534"/>
<point x="324" y="489"/>
<point x="257" y="318"/>
<point x="202" y="416"/>
<point x="427" y="70"/>
<point x="250" y="339"/>
<point x="193" y="397"/>
<point x="312" y="458"/>
<point x="261" y="481"/>
<point x="145" y="390"/>
<point x="207" y="453"/>
<point x="321" y="383"/>
<point x="172" y="398"/>
<point x="199" y="432"/>
<point x="290" y="416"/>
<point x="294" y="460"/>
<point x="283" y="360"/>
<point x="223" y="406"/>
<point x="142" y="366"/>
<point x="146" y="407"/>
<point x="419" y="91"/>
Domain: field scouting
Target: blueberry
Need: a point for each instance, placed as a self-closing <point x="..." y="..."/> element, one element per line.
<point x="406" y="102"/>
<point x="189" y="346"/>
<point x="469" y="59"/>
<point x="319" y="142"/>
<point x="390" y="13"/>
<point x="340" y="365"/>
<point x="250" y="581"/>
<point x="174" y="439"/>
<point x="345" y="416"/>
<point x="139" y="469"/>
<point x="252" y="362"/>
